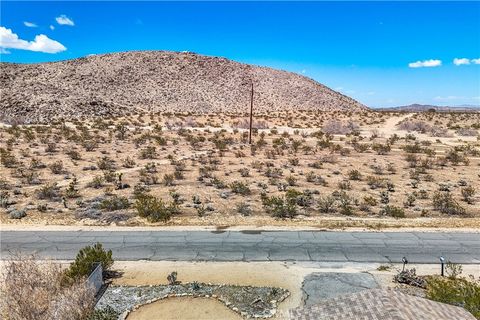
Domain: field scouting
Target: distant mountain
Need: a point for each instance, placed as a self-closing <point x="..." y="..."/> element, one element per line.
<point x="159" y="81"/>
<point x="426" y="107"/>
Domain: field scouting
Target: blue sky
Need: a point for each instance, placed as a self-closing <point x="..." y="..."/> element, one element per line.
<point x="381" y="53"/>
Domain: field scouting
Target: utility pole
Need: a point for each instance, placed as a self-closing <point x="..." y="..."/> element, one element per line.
<point x="251" y="116"/>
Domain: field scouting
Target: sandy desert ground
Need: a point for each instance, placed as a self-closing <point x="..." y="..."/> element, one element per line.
<point x="330" y="170"/>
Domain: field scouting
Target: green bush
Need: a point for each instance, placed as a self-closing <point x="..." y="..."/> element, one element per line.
<point x="85" y="260"/>
<point x="459" y="292"/>
<point x="280" y="207"/>
<point x="393" y="211"/>
<point x="354" y="175"/>
<point x="7" y="158"/>
<point x="467" y="194"/>
<point x="444" y="202"/>
<point x="154" y="209"/>
<point x="107" y="313"/>
<point x="326" y="204"/>
<point x="240" y="188"/>
<point x="115" y="203"/>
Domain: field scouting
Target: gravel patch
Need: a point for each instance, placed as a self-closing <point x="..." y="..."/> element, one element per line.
<point x="250" y="302"/>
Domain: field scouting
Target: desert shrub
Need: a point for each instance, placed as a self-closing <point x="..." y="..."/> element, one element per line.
<point x="29" y="287"/>
<point x="381" y="149"/>
<point x="458" y="291"/>
<point x="467" y="132"/>
<point x="4" y="199"/>
<point x="344" y="185"/>
<point x="147" y="177"/>
<point x="376" y="182"/>
<point x="315" y="178"/>
<point x="148" y="153"/>
<point x="17" y="213"/>
<point x="354" y="175"/>
<point x="468" y="193"/>
<point x="294" y="161"/>
<point x="72" y="191"/>
<point x="367" y="203"/>
<point x="168" y="179"/>
<point x="413" y="148"/>
<point x="90" y="144"/>
<point x="114" y="203"/>
<point x="7" y="158"/>
<point x="49" y="191"/>
<point x="121" y="129"/>
<point x="280" y="207"/>
<point x="218" y="183"/>
<point x="393" y="211"/>
<point x="244" y="209"/>
<point x="240" y="188"/>
<point x="107" y="313"/>
<point x="154" y="209"/>
<point x="443" y="201"/>
<point x="291" y="180"/>
<point x="338" y="127"/>
<point x="51" y="147"/>
<point x="361" y="147"/>
<point x="128" y="162"/>
<point x="56" y="167"/>
<point x="110" y="176"/>
<point x="273" y="172"/>
<point x="326" y="204"/>
<point x="345" y="204"/>
<point x="73" y="154"/>
<point x="455" y="157"/>
<point x="244" y="172"/>
<point x="106" y="164"/>
<point x="96" y="183"/>
<point x="85" y="261"/>
<point x="414" y="125"/>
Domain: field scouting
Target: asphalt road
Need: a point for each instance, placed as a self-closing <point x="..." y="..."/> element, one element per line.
<point x="418" y="247"/>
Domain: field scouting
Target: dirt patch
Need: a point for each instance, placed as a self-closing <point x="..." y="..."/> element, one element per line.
<point x="184" y="309"/>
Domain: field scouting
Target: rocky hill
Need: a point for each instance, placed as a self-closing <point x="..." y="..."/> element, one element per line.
<point x="130" y="82"/>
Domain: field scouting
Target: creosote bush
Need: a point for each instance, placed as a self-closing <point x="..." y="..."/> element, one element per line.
<point x="456" y="291"/>
<point x="443" y="201"/>
<point x="85" y="261"/>
<point x="393" y="211"/>
<point x="154" y="209"/>
<point x="115" y="203"/>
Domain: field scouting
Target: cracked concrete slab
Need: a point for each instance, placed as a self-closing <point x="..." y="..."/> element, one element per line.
<point x="324" y="285"/>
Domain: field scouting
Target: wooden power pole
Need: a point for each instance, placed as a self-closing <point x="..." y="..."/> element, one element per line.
<point x="251" y="116"/>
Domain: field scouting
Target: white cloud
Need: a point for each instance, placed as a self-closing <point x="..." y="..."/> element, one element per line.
<point x="52" y="27"/>
<point x="460" y="61"/>
<point x="425" y="63"/>
<point x="64" y="20"/>
<point x="29" y="24"/>
<point x="4" y="51"/>
<point x="41" y="43"/>
<point x="475" y="61"/>
<point x="448" y="98"/>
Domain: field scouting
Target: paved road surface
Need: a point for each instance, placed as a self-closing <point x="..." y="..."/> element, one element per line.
<point x="418" y="247"/>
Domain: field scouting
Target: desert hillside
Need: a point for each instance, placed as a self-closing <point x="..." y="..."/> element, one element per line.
<point x="130" y="82"/>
